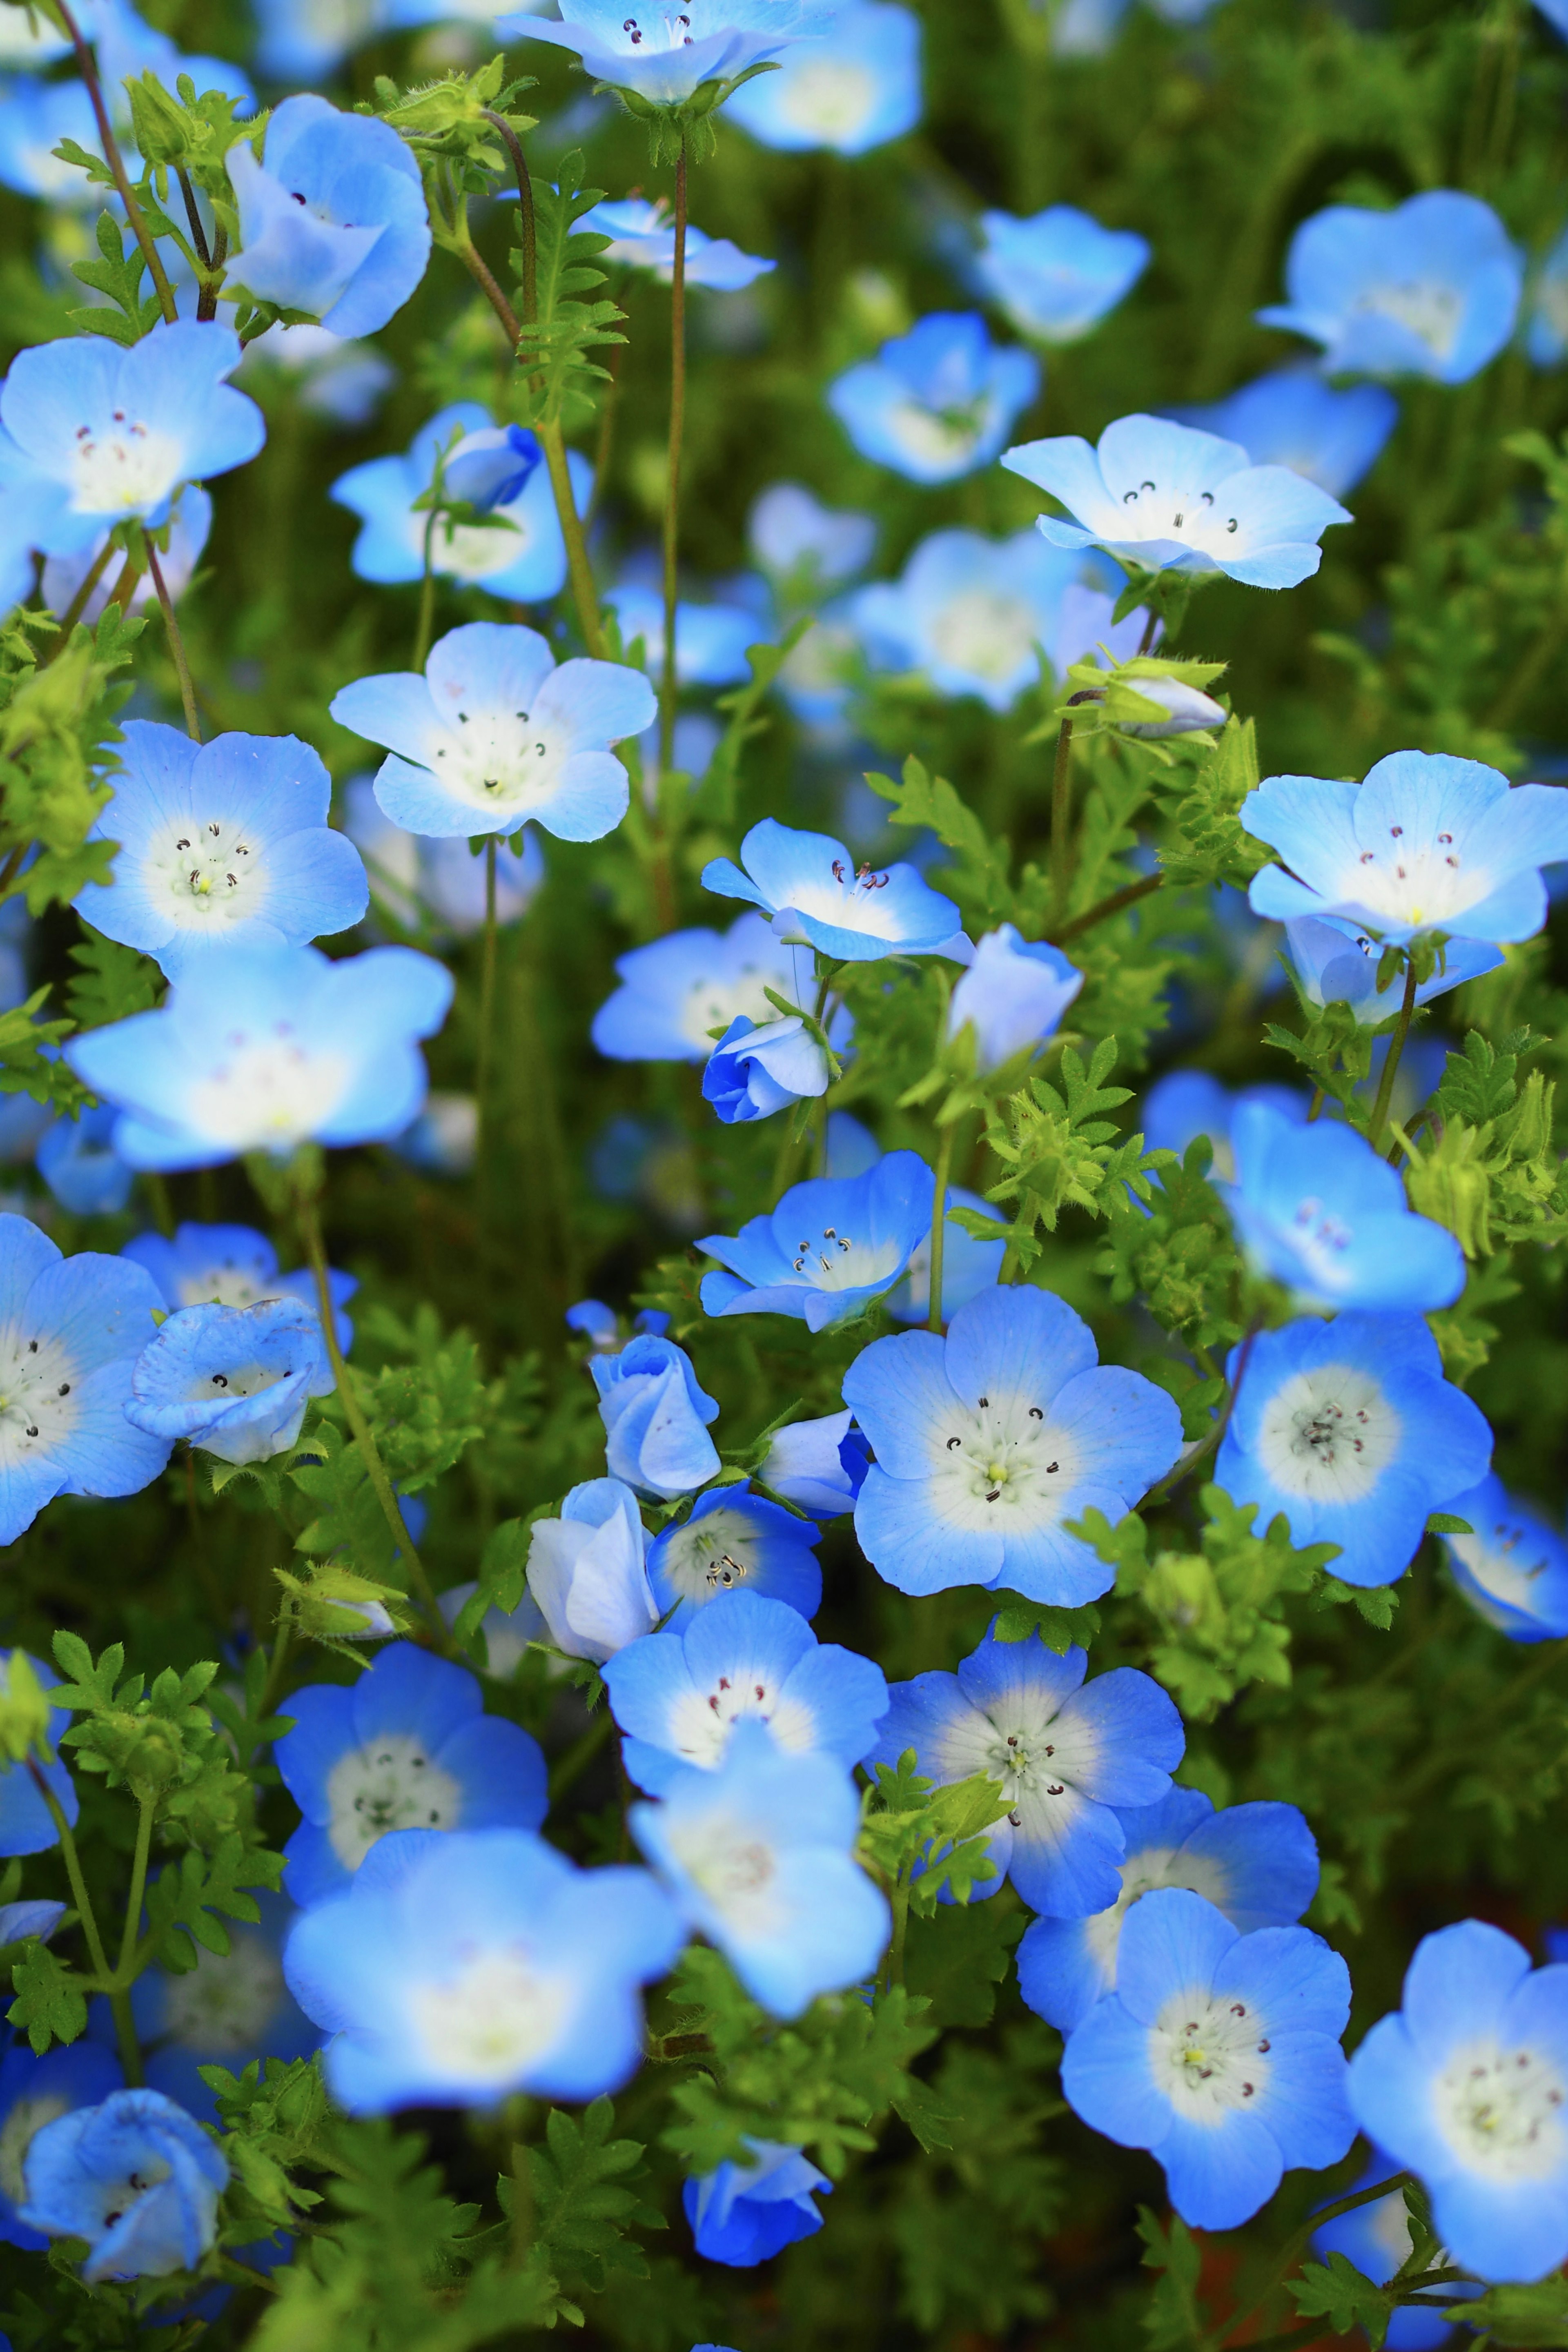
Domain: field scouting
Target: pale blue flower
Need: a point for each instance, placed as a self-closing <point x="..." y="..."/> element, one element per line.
<point x="972" y="613"/>
<point x="811" y="886"/>
<point x="288" y="1049"/>
<point x="803" y="546"/>
<point x="832" y="1245"/>
<point x="1512" y="1567"/>
<point x="300" y="41"/>
<point x="676" y="991"/>
<point x="1163" y="496"/>
<point x="1058" y="274"/>
<point x="494" y="734"/>
<point x="1184" y="1103"/>
<point x="232" y="1265"/>
<point x="231" y="2007"/>
<point x="757" y="1069"/>
<point x="642" y="237"/>
<point x="33" y="2092"/>
<point x="1013" y="995"/>
<point x="1337" y="963"/>
<point x="419" y="879"/>
<point x="710" y="640"/>
<point x="666" y="49"/>
<point x="35" y="118"/>
<point x="137" y="2177"/>
<point x="655" y="1417"/>
<point x="1546" y="332"/>
<point x="939" y="402"/>
<point x="233" y="1380"/>
<point x="128" y="47"/>
<point x="587" y="1572"/>
<point x="76" y="1159"/>
<point x="819" y="1465"/>
<point x="855" y="89"/>
<point x="735" y="1541"/>
<point x="1291" y="418"/>
<point x="1431" y="288"/>
<point x="332" y="219"/>
<point x="744" y="2212"/>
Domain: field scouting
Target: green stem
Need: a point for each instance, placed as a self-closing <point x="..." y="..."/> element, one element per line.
<point x="112" y="156"/>
<point x="1315" y="1111"/>
<point x="585" y="594"/>
<point x="1117" y="900"/>
<point x="1391" y="1061"/>
<point x="364" y="1435"/>
<point x="525" y="206"/>
<point x="176" y="643"/>
<point x="424" y="627"/>
<point x="272" y="1688"/>
<point x="667" y="688"/>
<point x="487" y="1012"/>
<point x="146" y="1806"/>
<point x="1061" y="820"/>
<point x="939" y="1226"/>
<point x="119" y="1999"/>
<point x="1295" y="2247"/>
<point x="579" y="1755"/>
<point x="80" y="602"/>
<point x="900" y="1903"/>
<point x="1184" y="1469"/>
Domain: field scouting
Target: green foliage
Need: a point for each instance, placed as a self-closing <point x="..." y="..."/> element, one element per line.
<point x="581" y="2205"/>
<point x="1336" y="2291"/>
<point x="1208" y="843"/>
<point x="930" y="1838"/>
<point x="1489" y="1169"/>
<point x="117" y="273"/>
<point x="1060" y="1150"/>
<point x="114" y="982"/>
<point x="554" y="349"/>
<point x="1518" y="2315"/>
<point x="50" y="2005"/>
<point x="978" y="878"/>
<point x="56" y="726"/>
<point x="1181" y="1255"/>
<point x="1172" y="2319"/>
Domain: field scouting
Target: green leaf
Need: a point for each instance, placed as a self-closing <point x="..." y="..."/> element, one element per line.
<point x="979" y="879"/>
<point x="50" y="2005"/>
<point x="1336" y="2291"/>
<point x="1172" y="2320"/>
<point x="114" y="982"/>
<point x="1518" y="2315"/>
<point x="1058" y="1629"/>
<point x="1443" y="1523"/>
<point x="583" y="2205"/>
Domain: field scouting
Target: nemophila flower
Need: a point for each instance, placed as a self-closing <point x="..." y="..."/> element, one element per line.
<point x="457" y="1970"/>
<point x="939" y="402"/>
<point x="1256" y="1863"/>
<point x="1174" y="500"/>
<point x="1467" y="2086"/>
<point x="710" y="640"/>
<point x="19" y="1921"/>
<point x="232" y="1265"/>
<point x="1291" y="418"/>
<point x="817" y="896"/>
<point x="77" y="1162"/>
<point x="735" y="1541"/>
<point x="1376" y="2239"/>
<point x="1013" y="995"/>
<point x="986" y="1442"/>
<point x="509" y="1632"/>
<point x="1058" y="274"/>
<point x="678" y="1695"/>
<point x="1337" y="963"/>
<point x="676" y="991"/>
<point x="1351" y="1429"/>
<point x="494" y="734"/>
<point x="339" y="378"/>
<point x="757" y="1069"/>
<point x="34" y="2091"/>
<point x="136" y="2176"/>
<point x="669" y="48"/>
<point x="287" y="1049"/>
<point x="969" y="612"/>
<point x="744" y="2212"/>
<point x="831" y="1246"/>
<point x="70" y="1332"/>
<point x="1431" y="288"/>
<point x="1318" y="1208"/>
<point x="819" y="1465"/>
<point x="968" y="1267"/>
<point x="300" y="41"/>
<point x="1427" y="844"/>
<point x="759" y="1854"/>
<point x="232" y="1380"/>
<point x="1063" y="1753"/>
<point x="231" y="2007"/>
<point x="27" y="1825"/>
<point x="35" y="118"/>
<point x="855" y="89"/>
<point x="801" y="544"/>
<point x="420" y="880"/>
<point x="115" y="432"/>
<point x="331" y="218"/>
<point x="190" y="522"/>
<point x="443" y="1138"/>
<point x="1513" y="1568"/>
<point x="1546" y="329"/>
<point x="518" y="554"/>
<point x="222" y="845"/>
<point x="656" y="1417"/>
<point x="407" y="1745"/>
<point x="642" y="237"/>
<point x="587" y="1571"/>
<point x="491" y="467"/>
<point x="1218" y="2052"/>
<point x="1187" y="1103"/>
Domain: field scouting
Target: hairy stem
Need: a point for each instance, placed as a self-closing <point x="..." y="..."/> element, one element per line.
<point x="176" y="643"/>
<point x="667" y="692"/>
<point x="88" y="68"/>
<point x="1391" y="1061"/>
<point x="119" y="2002"/>
<point x="80" y="601"/>
<point x="525" y="205"/>
<point x="146" y="1806"/>
<point x="1061" y="820"/>
<point x="425" y="625"/>
<point x="585" y="594"/>
<point x="939" y="1226"/>
<point x="1117" y="900"/>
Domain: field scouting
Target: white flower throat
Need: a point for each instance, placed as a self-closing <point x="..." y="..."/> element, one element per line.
<point x="1001" y="1464"/>
<point x="242" y="1381"/>
<point x="1432" y="313"/>
<point x="1200" y="519"/>
<point x="492" y="2016"/>
<point x="712" y="1555"/>
<point x="1142" y="1873"/>
<point x="1417" y="880"/>
<point x="711" y="1003"/>
<point x="269" y="1088"/>
<point x="1501" y="2111"/>
<point x="121" y="466"/>
<point x="391" y="1783"/>
<point x="944" y="436"/>
<point x="1328" y="1434"/>
<point x="38" y="1406"/>
<point x="735" y="1867"/>
<point x="1210" y="2055"/>
<point x="225" y="2002"/>
<point x="829" y="1259"/>
<point x="498" y="759"/>
<point x="987" y="634"/>
<point x="210" y="874"/>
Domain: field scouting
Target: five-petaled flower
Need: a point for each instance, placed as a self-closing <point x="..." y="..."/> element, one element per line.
<point x="818" y="895"/>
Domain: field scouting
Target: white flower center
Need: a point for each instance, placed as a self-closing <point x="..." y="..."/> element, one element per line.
<point x="1417" y="880"/>
<point x="712" y="1004"/>
<point x="388" y="1784"/>
<point x="1505" y="1561"/>
<point x="1501" y="2112"/>
<point x="25" y="2119"/>
<point x="497" y="758"/>
<point x="828" y="99"/>
<point x="226" y="2003"/>
<point x="712" y="1555"/>
<point x="1210" y="2055"/>
<point x="117" y="2197"/>
<point x="989" y="634"/>
<point x="38" y="1396"/>
<point x="654" y="28"/>
<point x="270" y="1091"/>
<point x="1162" y="1865"/>
<point x="1001" y="1466"/>
<point x="1432" y="313"/>
<point x="221" y="1285"/>
<point x="122" y="466"/>
<point x="939" y="436"/>
<point x="1328" y="1434"/>
<point x="493" y="2017"/>
<point x="729" y="1860"/>
<point x="208" y="873"/>
<point x="831" y="1260"/>
<point x="240" y="1381"/>
<point x="1196" y="519"/>
<point x="851" y="897"/>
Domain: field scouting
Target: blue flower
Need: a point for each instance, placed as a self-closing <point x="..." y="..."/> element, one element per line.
<point x="1058" y="275"/>
<point x="669" y="48"/>
<point x="587" y="1571"/>
<point x="1291" y="418"/>
<point x="34" y="2091"/>
<point x="301" y="42"/>
<point x="35" y="118"/>
<point x="494" y="734"/>
<point x="678" y="1695"/>
<point x="968" y="1267"/>
<point x="819" y="1465"/>
<point x="1184" y="1103"/>
<point x="232" y="1266"/>
<point x="1351" y="1429"/>
<point x="456" y="1970"/>
<point x="1427" y="844"/>
<point x="492" y="466"/>
<point x="759" y="1853"/>
<point x="27" y="1825"/>
<point x="1064" y="1756"/>
<point x="1546" y="333"/>
<point x="737" y="1542"/>
<point x="970" y="614"/>
<point x="222" y="844"/>
<point x="1318" y="1208"/>
<point x="939" y="402"/>
<point x="420" y="881"/>
<point x="288" y="1049"/>
<point x="988" y="1442"/>
<point x="136" y="2176"/>
<point x="115" y="432"/>
<point x="1012" y="996"/>
<point x="1431" y="288"/>
<point x="831" y="1246"/>
<point x="37" y="1917"/>
<point x="655" y="1417"/>
<point x="1467" y="2086"/>
<point x="1513" y="1568"/>
<point x="677" y="991"/>
<point x="744" y="2212"/>
<point x="509" y="1633"/>
<point x="73" y="1328"/>
<point x="1256" y="1863"/>
<point x="1218" y="2051"/>
<point x="407" y="1745"/>
<point x="332" y="220"/>
<point x="811" y="886"/>
<point x="189" y="526"/>
<point x="234" y="1380"/>
<point x="1337" y="963"/>
<point x="801" y="544"/>
<point x="525" y="563"/>
<point x="77" y="1162"/>
<point x="231" y="2007"/>
<point x="1174" y="500"/>
<point x="853" y="89"/>
<point x="643" y="237"/>
<point x="1376" y="2239"/>
<point x="755" y="1070"/>
<point x="710" y="640"/>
